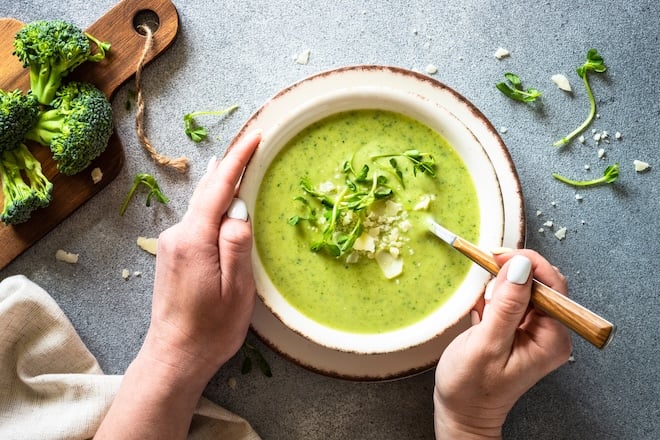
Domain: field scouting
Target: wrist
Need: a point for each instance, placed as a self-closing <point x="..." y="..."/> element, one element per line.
<point x="473" y="426"/>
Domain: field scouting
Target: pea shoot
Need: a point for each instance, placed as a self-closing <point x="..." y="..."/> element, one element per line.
<point x="343" y="214"/>
<point x="610" y="175"/>
<point x="196" y="132"/>
<point x="513" y="88"/>
<point x="594" y="63"/>
<point x="154" y="191"/>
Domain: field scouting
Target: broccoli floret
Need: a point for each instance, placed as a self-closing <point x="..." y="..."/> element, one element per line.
<point x="52" y="49"/>
<point x="18" y="114"/>
<point x="22" y="197"/>
<point x="77" y="127"/>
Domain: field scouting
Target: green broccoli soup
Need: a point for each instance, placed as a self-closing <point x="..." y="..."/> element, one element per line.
<point x="340" y="221"/>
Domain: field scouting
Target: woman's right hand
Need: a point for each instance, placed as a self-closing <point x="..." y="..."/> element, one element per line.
<point x="509" y="348"/>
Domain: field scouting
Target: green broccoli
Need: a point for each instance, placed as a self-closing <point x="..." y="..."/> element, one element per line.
<point x="52" y="49"/>
<point x="18" y="113"/>
<point x="21" y="197"/>
<point x="77" y="127"/>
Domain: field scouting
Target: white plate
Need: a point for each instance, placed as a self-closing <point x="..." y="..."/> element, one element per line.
<point x="385" y="366"/>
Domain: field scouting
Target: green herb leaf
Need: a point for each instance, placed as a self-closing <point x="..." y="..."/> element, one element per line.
<point x="196" y="132"/>
<point x="596" y="64"/>
<point x="514" y="89"/>
<point x="610" y="175"/>
<point x="154" y="191"/>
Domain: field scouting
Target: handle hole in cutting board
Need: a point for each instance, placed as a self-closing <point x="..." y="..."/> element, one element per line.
<point x="147" y="18"/>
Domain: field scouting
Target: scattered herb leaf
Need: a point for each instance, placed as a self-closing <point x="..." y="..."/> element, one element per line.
<point x="154" y="191"/>
<point x="596" y="64"/>
<point x="610" y="175"/>
<point x="514" y="89"/>
<point x="196" y="132"/>
<point x="252" y="353"/>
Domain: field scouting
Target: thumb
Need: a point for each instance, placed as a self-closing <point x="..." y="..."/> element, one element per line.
<point x="509" y="301"/>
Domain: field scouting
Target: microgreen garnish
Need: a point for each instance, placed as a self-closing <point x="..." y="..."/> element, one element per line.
<point x="251" y="352"/>
<point x="154" y="191"/>
<point x="196" y="132"/>
<point x="344" y="212"/>
<point x="513" y="89"/>
<point x="596" y="64"/>
<point x="610" y="175"/>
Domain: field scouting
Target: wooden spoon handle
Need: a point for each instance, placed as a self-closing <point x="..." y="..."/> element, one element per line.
<point x="581" y="320"/>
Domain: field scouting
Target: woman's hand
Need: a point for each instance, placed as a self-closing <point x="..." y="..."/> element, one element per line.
<point x="202" y="304"/>
<point x="509" y="348"/>
<point x="204" y="289"/>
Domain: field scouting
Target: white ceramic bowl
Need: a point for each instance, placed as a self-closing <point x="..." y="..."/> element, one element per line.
<point x="344" y="97"/>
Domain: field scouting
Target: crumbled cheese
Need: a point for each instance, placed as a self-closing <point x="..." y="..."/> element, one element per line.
<point x="423" y="203"/>
<point x="501" y="53"/>
<point x="640" y="165"/>
<point x="553" y="203"/>
<point x="562" y="82"/>
<point x="503" y="130"/>
<point x="66" y="257"/>
<point x="97" y="175"/>
<point x="326" y="187"/>
<point x="303" y="57"/>
<point x="541" y="230"/>
<point x="232" y="383"/>
<point x="405" y="226"/>
<point x="578" y="197"/>
<point x="601" y="153"/>
<point x="431" y="69"/>
<point x="587" y="167"/>
<point x="392" y="208"/>
<point x="365" y="242"/>
<point x="581" y="139"/>
<point x="617" y="135"/>
<point x="125" y="274"/>
<point x="571" y="358"/>
<point x="561" y="233"/>
<point x="390" y="265"/>
<point x="137" y="274"/>
<point x="539" y="213"/>
<point x="353" y="258"/>
<point x="148" y="244"/>
<point x="548" y="224"/>
<point x="597" y="137"/>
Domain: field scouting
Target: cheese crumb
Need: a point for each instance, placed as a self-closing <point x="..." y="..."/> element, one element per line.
<point x="561" y="233"/>
<point x="601" y="153"/>
<point x="578" y="197"/>
<point x="617" y="135"/>
<point x="390" y="265"/>
<point x="539" y="213"/>
<point x="503" y="130"/>
<point x="548" y="224"/>
<point x="640" y="165"/>
<point x="581" y="139"/>
<point x="125" y="274"/>
<point x="562" y="82"/>
<point x="148" y="244"/>
<point x="303" y="57"/>
<point x="66" y="257"/>
<point x="501" y="53"/>
<point x="431" y="69"/>
<point x="97" y="175"/>
<point x="232" y="383"/>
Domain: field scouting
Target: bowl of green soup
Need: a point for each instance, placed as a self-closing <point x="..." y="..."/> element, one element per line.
<point x="340" y="191"/>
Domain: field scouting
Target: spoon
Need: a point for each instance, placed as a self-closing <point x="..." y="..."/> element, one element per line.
<point x="582" y="321"/>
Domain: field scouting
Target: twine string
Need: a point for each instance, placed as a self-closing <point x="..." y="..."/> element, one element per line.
<point x="181" y="163"/>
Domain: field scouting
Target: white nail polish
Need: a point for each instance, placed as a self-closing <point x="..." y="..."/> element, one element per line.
<point x="212" y="162"/>
<point x="488" y="294"/>
<point x="519" y="269"/>
<point x="238" y="210"/>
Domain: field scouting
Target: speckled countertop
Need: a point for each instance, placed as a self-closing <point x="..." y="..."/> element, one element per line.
<point x="244" y="52"/>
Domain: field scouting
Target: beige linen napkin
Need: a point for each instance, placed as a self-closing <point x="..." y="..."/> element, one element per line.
<point x="51" y="386"/>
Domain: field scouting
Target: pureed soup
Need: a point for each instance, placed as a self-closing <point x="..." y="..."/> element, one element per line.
<point x="350" y="249"/>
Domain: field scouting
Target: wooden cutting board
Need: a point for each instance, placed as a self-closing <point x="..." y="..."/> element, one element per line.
<point x="118" y="26"/>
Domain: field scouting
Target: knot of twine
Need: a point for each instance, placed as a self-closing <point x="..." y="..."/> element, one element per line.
<point x="181" y="163"/>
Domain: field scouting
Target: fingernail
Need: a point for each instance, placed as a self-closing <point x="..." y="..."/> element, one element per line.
<point x="519" y="269"/>
<point x="238" y="210"/>
<point x="488" y="294"/>
<point x="211" y="163"/>
<point x="501" y="250"/>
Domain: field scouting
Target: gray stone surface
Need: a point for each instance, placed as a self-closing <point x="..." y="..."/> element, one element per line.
<point x="243" y="52"/>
